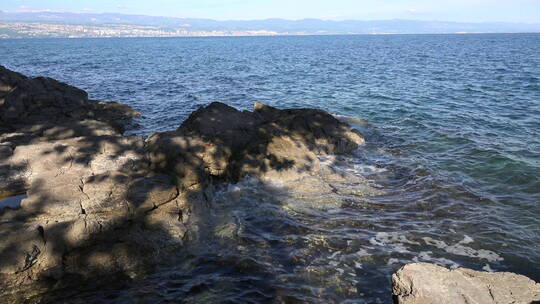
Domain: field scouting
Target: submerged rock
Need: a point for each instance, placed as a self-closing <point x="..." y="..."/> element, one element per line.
<point x="423" y="283"/>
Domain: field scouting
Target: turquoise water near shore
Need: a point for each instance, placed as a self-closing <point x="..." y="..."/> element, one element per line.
<point x="452" y="159"/>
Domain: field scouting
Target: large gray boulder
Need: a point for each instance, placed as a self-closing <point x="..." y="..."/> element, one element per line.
<point x="423" y="283"/>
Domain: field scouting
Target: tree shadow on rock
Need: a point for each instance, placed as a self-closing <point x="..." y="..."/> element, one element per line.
<point x="105" y="206"/>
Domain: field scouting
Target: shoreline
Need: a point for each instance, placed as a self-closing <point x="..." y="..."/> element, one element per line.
<point x="279" y="35"/>
<point x="101" y="203"/>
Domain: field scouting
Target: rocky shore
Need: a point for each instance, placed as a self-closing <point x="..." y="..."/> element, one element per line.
<point x="91" y="202"/>
<point x="423" y="283"/>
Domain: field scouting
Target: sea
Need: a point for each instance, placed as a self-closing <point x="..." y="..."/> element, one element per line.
<point x="449" y="174"/>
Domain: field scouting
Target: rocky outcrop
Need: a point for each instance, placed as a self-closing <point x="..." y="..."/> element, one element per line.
<point x="91" y="204"/>
<point x="220" y="142"/>
<point x="98" y="203"/>
<point x="423" y="283"/>
<point x="44" y="107"/>
<point x="92" y="207"/>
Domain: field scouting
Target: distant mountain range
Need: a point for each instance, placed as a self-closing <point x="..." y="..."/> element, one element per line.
<point x="272" y="26"/>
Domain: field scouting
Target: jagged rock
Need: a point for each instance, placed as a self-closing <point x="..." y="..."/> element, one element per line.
<point x="44" y="101"/>
<point x="100" y="203"/>
<point x="422" y="283"/>
<point x="219" y="141"/>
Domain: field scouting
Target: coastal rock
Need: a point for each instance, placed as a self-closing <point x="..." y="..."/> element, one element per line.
<point x="67" y="161"/>
<point x="96" y="203"/>
<point x="90" y="205"/>
<point x="423" y="283"/>
<point x="84" y="196"/>
<point x="218" y="141"/>
<point x="43" y="103"/>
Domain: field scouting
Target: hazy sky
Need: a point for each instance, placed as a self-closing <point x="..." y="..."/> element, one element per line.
<point x="445" y="10"/>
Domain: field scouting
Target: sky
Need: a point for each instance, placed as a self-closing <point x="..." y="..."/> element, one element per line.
<point x="441" y="10"/>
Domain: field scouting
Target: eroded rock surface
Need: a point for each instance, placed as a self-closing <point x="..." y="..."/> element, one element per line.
<point x="220" y="142"/>
<point x="100" y="203"/>
<point x="423" y="283"/>
<point x="92" y="206"/>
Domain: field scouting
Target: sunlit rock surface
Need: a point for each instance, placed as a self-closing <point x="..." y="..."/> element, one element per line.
<point x="423" y="283"/>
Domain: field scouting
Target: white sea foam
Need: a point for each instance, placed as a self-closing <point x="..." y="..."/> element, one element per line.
<point x="487" y="268"/>
<point x="399" y="243"/>
<point x="362" y="253"/>
<point x="333" y="256"/>
<point x="385" y="238"/>
<point x="366" y="169"/>
<point x="460" y="249"/>
<point x="426" y="256"/>
<point x="394" y="240"/>
<point x="467" y="240"/>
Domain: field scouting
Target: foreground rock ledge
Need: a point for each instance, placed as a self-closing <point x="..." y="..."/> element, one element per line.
<point x="423" y="283"/>
<point x="99" y="204"/>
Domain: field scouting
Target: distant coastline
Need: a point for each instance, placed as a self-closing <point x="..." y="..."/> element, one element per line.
<point x="86" y="25"/>
<point x="29" y="30"/>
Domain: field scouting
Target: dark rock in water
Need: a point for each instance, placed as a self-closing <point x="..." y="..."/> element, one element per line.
<point x="98" y="203"/>
<point x="423" y="283"/>
<point x="221" y="142"/>
<point x="49" y="103"/>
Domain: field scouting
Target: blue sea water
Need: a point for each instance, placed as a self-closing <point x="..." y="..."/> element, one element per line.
<point x="452" y="124"/>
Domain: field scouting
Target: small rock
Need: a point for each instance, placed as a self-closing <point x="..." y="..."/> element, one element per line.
<point x="423" y="283"/>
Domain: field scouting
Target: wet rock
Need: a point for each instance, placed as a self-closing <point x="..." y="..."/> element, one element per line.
<point x="423" y="283"/>
<point x="221" y="142"/>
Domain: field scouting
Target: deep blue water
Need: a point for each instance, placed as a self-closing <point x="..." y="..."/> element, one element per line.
<point x="453" y="142"/>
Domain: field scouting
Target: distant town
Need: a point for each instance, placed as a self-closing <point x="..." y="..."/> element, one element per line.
<point x="47" y="24"/>
<point x="47" y="30"/>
